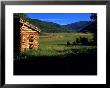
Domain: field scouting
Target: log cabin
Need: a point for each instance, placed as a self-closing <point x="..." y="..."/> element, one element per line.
<point x="26" y="35"/>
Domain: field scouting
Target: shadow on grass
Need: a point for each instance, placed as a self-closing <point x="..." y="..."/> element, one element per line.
<point x="76" y="64"/>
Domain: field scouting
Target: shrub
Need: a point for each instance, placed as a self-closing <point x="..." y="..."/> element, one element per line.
<point x="68" y="43"/>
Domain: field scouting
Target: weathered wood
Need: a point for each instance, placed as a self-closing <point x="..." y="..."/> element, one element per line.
<point x="29" y="36"/>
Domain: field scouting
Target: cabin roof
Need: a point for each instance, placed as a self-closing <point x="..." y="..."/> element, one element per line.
<point x="26" y="23"/>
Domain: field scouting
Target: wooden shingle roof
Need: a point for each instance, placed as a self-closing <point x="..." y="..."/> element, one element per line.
<point x="26" y="23"/>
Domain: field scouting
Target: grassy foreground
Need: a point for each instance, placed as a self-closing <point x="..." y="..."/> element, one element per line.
<point x="54" y="57"/>
<point x="55" y="44"/>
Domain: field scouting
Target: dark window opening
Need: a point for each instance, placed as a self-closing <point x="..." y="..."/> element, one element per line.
<point x="31" y="39"/>
<point x="31" y="46"/>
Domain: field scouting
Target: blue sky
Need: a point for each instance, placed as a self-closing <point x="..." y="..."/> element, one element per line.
<point x="60" y="18"/>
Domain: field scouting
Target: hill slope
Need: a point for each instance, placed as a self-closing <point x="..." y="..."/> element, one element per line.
<point x="90" y="28"/>
<point x="49" y="27"/>
<point x="77" y="26"/>
<point x="54" y="27"/>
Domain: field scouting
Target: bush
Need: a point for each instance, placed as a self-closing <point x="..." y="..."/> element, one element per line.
<point x="84" y="41"/>
<point x="81" y="41"/>
<point x="68" y="43"/>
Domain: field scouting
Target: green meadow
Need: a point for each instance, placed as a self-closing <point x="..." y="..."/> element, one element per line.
<point x="55" y="44"/>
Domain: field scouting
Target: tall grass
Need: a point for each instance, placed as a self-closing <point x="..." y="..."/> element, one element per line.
<point x="55" y="45"/>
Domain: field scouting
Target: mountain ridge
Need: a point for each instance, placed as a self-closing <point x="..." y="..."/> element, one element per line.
<point x="77" y="26"/>
<point x="54" y="27"/>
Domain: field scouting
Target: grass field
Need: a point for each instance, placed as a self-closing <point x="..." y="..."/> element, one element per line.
<point x="54" y="57"/>
<point x="55" y="44"/>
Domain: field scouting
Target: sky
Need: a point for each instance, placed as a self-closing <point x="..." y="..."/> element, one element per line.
<point x="60" y="18"/>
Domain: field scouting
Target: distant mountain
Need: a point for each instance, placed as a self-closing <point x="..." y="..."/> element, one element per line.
<point x="54" y="27"/>
<point x="77" y="26"/>
<point x="49" y="26"/>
